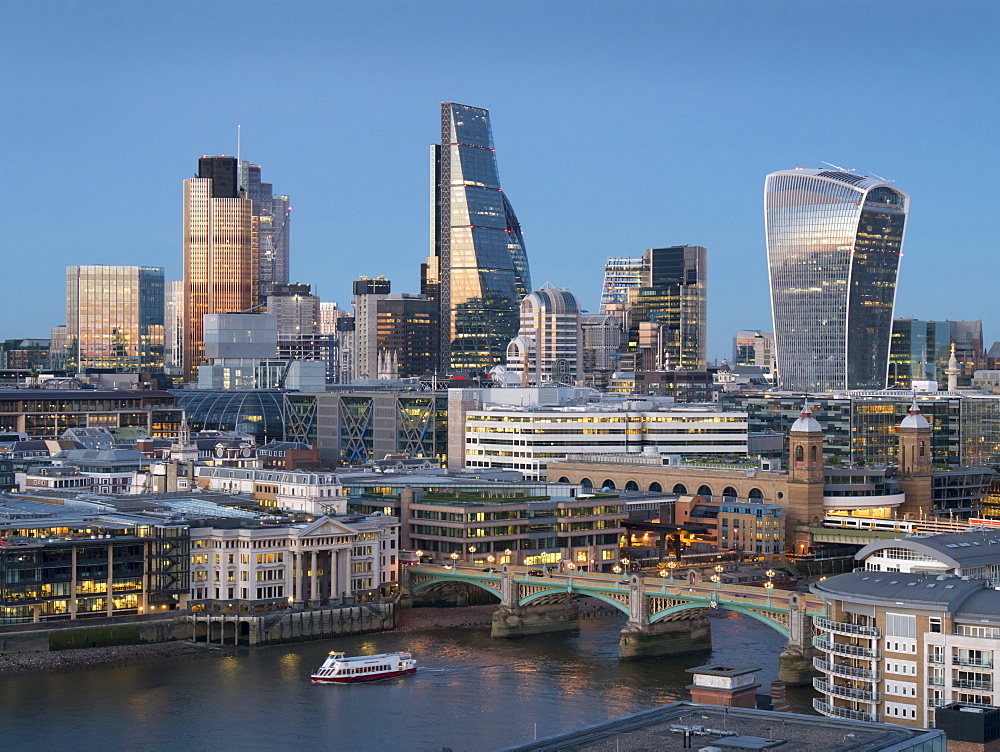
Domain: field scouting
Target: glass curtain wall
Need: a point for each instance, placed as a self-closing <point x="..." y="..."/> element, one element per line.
<point x="833" y="245"/>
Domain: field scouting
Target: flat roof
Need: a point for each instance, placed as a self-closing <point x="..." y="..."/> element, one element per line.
<point x="733" y="728"/>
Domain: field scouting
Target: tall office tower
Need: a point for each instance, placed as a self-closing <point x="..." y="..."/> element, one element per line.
<point x="220" y="253"/>
<point x="367" y="294"/>
<point x="833" y="246"/>
<point x="918" y="351"/>
<point x="754" y="348"/>
<point x="602" y="336"/>
<point x="406" y="336"/>
<point x="296" y="309"/>
<point x="173" y="326"/>
<point x="114" y="317"/>
<point x="477" y="268"/>
<point x="621" y="277"/>
<point x="547" y="347"/>
<point x="272" y="216"/>
<point x="668" y="318"/>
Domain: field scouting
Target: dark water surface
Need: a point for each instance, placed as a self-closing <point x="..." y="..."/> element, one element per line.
<point x="470" y="693"/>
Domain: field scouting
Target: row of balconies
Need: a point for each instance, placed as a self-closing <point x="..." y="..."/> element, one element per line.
<point x="843" y="627"/>
<point x="833" y="711"/>
<point x="840" y="669"/>
<point x="848" y="693"/>
<point x="939" y="659"/>
<point x="840" y="648"/>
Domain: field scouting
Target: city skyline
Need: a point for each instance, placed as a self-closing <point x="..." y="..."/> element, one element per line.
<point x="606" y="154"/>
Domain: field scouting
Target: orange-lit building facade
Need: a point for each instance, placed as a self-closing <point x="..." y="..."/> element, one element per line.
<point x="220" y="252"/>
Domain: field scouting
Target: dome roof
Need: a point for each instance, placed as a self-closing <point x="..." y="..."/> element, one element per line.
<point x="914" y="419"/>
<point x="806" y="423"/>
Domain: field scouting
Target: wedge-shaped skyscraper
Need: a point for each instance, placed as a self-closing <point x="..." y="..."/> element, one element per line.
<point x="833" y="245"/>
<point x="477" y="269"/>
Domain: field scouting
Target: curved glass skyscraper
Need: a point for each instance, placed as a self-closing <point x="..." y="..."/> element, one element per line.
<point x="478" y="269"/>
<point x="833" y="245"/>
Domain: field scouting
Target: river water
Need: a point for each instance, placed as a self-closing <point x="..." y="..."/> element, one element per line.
<point x="470" y="693"/>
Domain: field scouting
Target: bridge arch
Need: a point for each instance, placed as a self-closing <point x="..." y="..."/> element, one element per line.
<point x="596" y="595"/>
<point x="725" y="605"/>
<point x="440" y="580"/>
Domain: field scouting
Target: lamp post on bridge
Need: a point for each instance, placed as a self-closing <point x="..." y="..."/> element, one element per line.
<point x="663" y="574"/>
<point x="454" y="559"/>
<point x="673" y="565"/>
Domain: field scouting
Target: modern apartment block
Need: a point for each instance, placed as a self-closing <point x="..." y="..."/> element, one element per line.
<point x="477" y="268"/>
<point x="114" y="317"/>
<point x="917" y="628"/>
<point x="834" y="240"/>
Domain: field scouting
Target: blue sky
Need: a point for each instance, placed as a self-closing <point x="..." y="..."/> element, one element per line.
<point x="618" y="126"/>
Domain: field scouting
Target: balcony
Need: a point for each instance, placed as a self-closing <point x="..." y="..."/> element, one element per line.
<point x="846" y="628"/>
<point x="839" y="648"/>
<point x="976" y="662"/>
<point x="936" y="681"/>
<point x="935" y="658"/>
<point x="833" y="711"/>
<point x="972" y="684"/>
<point x="851" y="672"/>
<point x="936" y="702"/>
<point x="848" y="693"/>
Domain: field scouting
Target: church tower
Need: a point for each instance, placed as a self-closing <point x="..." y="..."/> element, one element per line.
<point x="915" y="464"/>
<point x="804" y="505"/>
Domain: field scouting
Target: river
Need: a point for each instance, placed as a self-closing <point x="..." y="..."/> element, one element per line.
<point x="470" y="693"/>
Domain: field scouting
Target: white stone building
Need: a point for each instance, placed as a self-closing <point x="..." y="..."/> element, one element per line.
<point x="295" y="490"/>
<point x="244" y="567"/>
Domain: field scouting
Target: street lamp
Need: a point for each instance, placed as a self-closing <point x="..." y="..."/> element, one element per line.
<point x="625" y="563"/>
<point x="472" y="553"/>
<point x="664" y="573"/>
<point x="673" y="566"/>
<point x="715" y="579"/>
<point x="454" y="560"/>
<point x="420" y="557"/>
<point x="491" y="558"/>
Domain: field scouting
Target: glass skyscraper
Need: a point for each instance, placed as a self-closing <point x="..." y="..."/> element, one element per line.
<point x="477" y="269"/>
<point x="833" y="245"/>
<point x="114" y="317"/>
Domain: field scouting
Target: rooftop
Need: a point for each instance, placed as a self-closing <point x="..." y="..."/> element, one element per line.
<point x="664" y="728"/>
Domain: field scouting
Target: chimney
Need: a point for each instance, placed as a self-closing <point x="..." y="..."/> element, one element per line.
<point x="778" y="702"/>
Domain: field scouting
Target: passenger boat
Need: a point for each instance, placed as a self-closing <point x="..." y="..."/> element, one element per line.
<point x="342" y="670"/>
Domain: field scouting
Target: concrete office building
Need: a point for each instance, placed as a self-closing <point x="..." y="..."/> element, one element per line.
<point x="547" y="348"/>
<point x="526" y="429"/>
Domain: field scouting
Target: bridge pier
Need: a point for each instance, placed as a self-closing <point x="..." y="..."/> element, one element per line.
<point x="521" y="621"/>
<point x="664" y="638"/>
<point x="795" y="662"/>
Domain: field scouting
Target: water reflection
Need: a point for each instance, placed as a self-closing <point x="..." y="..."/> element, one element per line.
<point x="470" y="693"/>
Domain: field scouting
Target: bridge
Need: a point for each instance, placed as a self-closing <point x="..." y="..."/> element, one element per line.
<point x="665" y="617"/>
